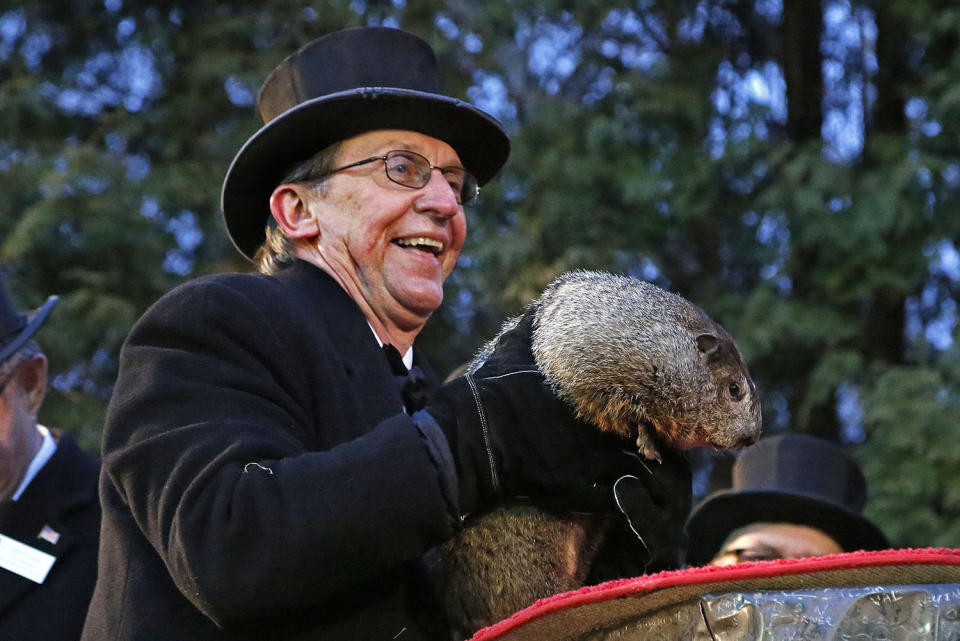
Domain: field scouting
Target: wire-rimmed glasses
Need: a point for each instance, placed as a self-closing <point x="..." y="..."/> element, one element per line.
<point x="412" y="170"/>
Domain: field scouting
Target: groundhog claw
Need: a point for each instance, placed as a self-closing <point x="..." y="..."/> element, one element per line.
<point x="646" y="447"/>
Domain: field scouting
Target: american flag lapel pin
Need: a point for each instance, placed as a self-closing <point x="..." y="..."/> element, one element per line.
<point x="49" y="534"/>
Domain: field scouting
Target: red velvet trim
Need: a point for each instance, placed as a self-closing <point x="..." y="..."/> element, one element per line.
<point x="710" y="574"/>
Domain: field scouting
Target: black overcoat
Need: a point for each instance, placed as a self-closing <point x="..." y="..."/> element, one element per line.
<point x="62" y="498"/>
<point x="260" y="479"/>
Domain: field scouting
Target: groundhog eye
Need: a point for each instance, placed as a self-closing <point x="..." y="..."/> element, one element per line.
<point x="734" y="390"/>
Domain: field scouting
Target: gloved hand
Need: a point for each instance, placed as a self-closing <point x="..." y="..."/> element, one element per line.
<point x="510" y="436"/>
<point x="656" y="502"/>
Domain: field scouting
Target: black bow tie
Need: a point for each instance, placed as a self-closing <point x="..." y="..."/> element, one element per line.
<point x="414" y="384"/>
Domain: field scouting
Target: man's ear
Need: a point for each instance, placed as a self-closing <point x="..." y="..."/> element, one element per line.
<point x="288" y="204"/>
<point x="33" y="378"/>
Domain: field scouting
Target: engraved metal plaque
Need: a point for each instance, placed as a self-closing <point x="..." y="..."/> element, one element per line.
<point x="875" y="613"/>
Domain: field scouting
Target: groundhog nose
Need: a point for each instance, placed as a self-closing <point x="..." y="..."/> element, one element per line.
<point x="749" y="439"/>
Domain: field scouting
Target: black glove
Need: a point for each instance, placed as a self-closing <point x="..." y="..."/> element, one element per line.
<point x="656" y="502"/>
<point x="510" y="436"/>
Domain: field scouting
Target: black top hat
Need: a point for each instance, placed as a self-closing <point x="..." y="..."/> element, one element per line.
<point x="343" y="84"/>
<point x="787" y="478"/>
<point x="16" y="328"/>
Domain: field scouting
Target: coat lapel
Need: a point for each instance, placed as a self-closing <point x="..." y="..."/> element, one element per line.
<point x="362" y="357"/>
<point x="13" y="585"/>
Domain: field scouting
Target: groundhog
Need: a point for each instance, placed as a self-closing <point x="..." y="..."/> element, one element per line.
<point x="630" y="358"/>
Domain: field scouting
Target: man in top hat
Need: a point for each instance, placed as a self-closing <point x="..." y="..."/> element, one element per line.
<point x="49" y="512"/>
<point x="793" y="496"/>
<point x="270" y="469"/>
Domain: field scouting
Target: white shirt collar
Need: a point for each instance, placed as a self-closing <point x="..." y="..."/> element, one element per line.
<point x="407" y="357"/>
<point x="47" y="448"/>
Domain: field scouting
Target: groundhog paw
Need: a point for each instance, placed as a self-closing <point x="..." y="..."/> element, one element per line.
<point x="646" y="447"/>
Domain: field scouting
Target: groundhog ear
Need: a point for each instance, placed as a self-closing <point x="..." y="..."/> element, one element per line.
<point x="707" y="344"/>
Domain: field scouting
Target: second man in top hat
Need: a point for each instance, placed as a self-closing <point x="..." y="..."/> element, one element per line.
<point x="793" y="496"/>
<point x="270" y="468"/>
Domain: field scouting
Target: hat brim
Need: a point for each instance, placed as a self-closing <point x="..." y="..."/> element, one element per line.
<point x="712" y="521"/>
<point x="297" y="134"/>
<point x="34" y="320"/>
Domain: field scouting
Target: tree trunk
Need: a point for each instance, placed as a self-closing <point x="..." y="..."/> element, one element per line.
<point x="802" y="68"/>
<point x="884" y="331"/>
<point x="888" y="111"/>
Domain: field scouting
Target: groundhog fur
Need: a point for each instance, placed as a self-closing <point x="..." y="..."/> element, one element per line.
<point x="630" y="358"/>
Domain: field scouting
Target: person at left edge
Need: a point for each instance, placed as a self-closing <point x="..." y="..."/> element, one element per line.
<point x="261" y="478"/>
<point x="49" y="512"/>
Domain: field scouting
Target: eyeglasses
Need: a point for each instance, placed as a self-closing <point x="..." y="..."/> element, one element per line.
<point x="412" y="170"/>
<point x="744" y="555"/>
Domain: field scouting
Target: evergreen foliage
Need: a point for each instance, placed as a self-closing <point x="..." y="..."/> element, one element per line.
<point x="802" y="189"/>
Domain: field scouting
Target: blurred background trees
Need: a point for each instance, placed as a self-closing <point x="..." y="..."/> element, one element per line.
<point x="792" y="167"/>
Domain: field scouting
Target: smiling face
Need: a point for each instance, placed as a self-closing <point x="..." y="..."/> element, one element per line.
<point x="391" y="247"/>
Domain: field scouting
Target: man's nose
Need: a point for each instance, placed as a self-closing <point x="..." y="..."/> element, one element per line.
<point x="437" y="197"/>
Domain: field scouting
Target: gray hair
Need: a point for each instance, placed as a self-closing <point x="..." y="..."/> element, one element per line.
<point x="278" y="248"/>
<point x="25" y="353"/>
